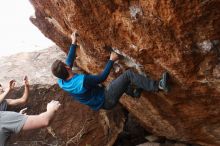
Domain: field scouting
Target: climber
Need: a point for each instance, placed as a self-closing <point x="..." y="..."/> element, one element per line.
<point x="86" y="88"/>
<point x="12" y="122"/>
<point x="13" y="102"/>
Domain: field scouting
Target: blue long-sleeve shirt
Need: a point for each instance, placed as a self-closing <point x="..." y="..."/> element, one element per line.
<point x="85" y="88"/>
<point x="71" y="55"/>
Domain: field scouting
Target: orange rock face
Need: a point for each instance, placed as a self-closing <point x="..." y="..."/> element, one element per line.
<point x="181" y="37"/>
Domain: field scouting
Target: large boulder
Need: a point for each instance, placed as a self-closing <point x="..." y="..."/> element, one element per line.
<point x="36" y="65"/>
<point x="181" y="37"/>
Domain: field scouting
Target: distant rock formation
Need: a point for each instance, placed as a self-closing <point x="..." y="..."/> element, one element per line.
<point x="181" y="37"/>
<point x="36" y="65"/>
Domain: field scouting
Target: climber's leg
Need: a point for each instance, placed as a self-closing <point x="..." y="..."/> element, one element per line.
<point x="146" y="83"/>
<point x="133" y="91"/>
<point x="141" y="81"/>
<point x="117" y="87"/>
<point x="114" y="91"/>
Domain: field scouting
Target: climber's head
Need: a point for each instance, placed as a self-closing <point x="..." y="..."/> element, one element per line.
<point x="60" y="69"/>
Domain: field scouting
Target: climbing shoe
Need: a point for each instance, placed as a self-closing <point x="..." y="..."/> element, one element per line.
<point x="163" y="83"/>
<point x="133" y="91"/>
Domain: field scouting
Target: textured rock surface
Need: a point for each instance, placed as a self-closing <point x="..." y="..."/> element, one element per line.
<point x="74" y="124"/>
<point x="36" y="65"/>
<point x="179" y="36"/>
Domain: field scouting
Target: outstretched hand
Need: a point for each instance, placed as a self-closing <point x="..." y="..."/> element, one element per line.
<point x="114" y="56"/>
<point x="74" y="36"/>
<point x="25" y="80"/>
<point x="11" y="84"/>
<point x="53" y="106"/>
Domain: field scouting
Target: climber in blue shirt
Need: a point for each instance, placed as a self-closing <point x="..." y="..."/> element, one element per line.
<point x="86" y="88"/>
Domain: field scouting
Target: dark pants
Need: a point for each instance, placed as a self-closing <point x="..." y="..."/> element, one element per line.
<point x="119" y="86"/>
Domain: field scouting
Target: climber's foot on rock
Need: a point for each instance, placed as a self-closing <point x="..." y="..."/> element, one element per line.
<point x="163" y="83"/>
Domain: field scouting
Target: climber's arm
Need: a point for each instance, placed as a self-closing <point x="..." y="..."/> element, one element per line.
<point x="93" y="80"/>
<point x="71" y="55"/>
<point x="72" y="51"/>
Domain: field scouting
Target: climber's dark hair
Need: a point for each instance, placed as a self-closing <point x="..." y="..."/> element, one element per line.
<point x="58" y="69"/>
